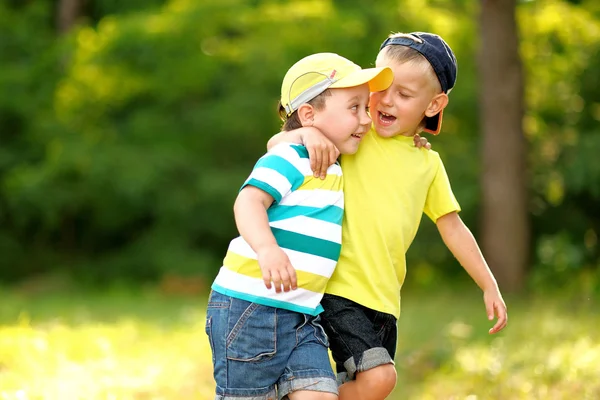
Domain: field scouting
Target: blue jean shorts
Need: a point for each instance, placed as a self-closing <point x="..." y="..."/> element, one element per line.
<point x="264" y="353"/>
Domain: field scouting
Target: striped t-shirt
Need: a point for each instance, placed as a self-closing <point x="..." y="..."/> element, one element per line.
<point x="306" y="220"/>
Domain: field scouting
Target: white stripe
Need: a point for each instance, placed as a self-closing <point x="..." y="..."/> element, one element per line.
<point x="256" y="287"/>
<point x="285" y="150"/>
<point x="311" y="263"/>
<point x="241" y="247"/>
<point x="314" y="198"/>
<point x="334" y="169"/>
<point x="311" y="227"/>
<point x="273" y="178"/>
<point x="301" y="261"/>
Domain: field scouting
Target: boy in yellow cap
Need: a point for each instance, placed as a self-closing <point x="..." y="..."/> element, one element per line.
<point x="388" y="185"/>
<point x="262" y="318"/>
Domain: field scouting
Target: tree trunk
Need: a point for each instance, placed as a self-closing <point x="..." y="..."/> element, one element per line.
<point x="506" y="230"/>
<point x="67" y="12"/>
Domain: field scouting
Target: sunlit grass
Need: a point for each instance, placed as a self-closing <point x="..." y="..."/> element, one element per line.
<point x="142" y="345"/>
<point x="103" y="347"/>
<point x="550" y="349"/>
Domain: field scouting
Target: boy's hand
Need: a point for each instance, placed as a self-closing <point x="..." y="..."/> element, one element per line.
<point x="321" y="151"/>
<point x="494" y="305"/>
<point x="276" y="267"/>
<point x="421" y="142"/>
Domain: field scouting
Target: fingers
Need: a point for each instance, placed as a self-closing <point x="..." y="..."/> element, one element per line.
<point x="277" y="280"/>
<point x="325" y="154"/>
<point x="421" y="142"/>
<point x="324" y="165"/>
<point x="489" y="309"/>
<point x="292" y="274"/>
<point x="417" y="140"/>
<point x="502" y="318"/>
<point x="285" y="280"/>
<point x="426" y="144"/>
<point x="267" y="278"/>
<point x="318" y="171"/>
<point x="312" y="156"/>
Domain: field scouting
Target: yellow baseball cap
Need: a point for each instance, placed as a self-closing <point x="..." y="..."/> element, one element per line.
<point x="316" y="73"/>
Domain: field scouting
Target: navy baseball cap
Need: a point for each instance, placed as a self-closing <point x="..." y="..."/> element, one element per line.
<point x="442" y="60"/>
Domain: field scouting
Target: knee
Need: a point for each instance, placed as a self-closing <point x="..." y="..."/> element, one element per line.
<point x="380" y="380"/>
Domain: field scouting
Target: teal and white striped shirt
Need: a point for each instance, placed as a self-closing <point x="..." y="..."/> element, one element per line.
<point x="306" y="220"/>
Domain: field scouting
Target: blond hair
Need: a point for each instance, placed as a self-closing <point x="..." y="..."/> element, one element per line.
<point x="404" y="54"/>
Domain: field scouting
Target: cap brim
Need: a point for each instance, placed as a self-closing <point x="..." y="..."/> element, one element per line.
<point x="378" y="79"/>
<point x="433" y="124"/>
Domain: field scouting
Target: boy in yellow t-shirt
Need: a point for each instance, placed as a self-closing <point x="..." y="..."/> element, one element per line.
<point x="389" y="184"/>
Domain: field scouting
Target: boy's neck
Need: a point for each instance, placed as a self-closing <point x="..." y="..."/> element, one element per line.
<point x="406" y="134"/>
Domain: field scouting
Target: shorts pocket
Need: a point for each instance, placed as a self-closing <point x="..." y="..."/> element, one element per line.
<point x="253" y="337"/>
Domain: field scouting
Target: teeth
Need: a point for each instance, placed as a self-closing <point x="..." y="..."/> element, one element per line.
<point x="385" y="114"/>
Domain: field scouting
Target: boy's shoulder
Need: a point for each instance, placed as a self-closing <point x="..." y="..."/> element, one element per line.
<point x="289" y="150"/>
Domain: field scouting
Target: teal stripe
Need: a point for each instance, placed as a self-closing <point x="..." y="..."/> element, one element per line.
<point x="331" y="214"/>
<point x="267" y="301"/>
<point x="307" y="244"/>
<point x="301" y="150"/>
<point x="264" y="186"/>
<point x="284" y="167"/>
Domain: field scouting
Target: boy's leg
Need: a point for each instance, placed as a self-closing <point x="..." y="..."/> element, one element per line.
<point x="363" y="344"/>
<point x="308" y="395"/>
<point x="374" y="384"/>
<point x="247" y="359"/>
<point x="308" y="374"/>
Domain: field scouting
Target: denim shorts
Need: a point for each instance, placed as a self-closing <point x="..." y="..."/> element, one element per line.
<point x="360" y="338"/>
<point x="264" y="353"/>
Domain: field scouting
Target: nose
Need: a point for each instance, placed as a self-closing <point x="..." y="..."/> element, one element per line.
<point x="385" y="97"/>
<point x="365" y="119"/>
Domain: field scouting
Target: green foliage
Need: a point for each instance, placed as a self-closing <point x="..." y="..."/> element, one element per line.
<point x="123" y="143"/>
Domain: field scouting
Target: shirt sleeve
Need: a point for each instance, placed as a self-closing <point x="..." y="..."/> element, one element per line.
<point x="275" y="174"/>
<point x="440" y="199"/>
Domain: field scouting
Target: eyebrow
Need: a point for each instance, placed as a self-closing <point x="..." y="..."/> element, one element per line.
<point x="353" y="99"/>
<point x="412" y="91"/>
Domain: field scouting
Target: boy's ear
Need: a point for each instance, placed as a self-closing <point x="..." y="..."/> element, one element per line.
<point x="437" y="104"/>
<point x="306" y="114"/>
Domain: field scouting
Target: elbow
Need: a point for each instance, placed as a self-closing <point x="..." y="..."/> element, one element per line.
<point x="238" y="203"/>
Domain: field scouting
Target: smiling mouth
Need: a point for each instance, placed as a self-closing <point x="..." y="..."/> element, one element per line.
<point x="385" y="118"/>
<point x="357" y="136"/>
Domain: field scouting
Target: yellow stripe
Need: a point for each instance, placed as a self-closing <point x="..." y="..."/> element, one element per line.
<point x="331" y="182"/>
<point x="249" y="267"/>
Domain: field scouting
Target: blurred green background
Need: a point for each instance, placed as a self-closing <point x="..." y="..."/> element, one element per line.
<point x="127" y="127"/>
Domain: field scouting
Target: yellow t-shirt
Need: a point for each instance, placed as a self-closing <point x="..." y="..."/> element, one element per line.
<point x="388" y="184"/>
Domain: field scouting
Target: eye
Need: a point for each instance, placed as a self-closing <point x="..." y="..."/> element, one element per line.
<point x="354" y="107"/>
<point x="403" y="95"/>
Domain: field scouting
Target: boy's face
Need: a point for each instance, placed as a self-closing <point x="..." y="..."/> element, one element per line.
<point x="400" y="109"/>
<point x="345" y="119"/>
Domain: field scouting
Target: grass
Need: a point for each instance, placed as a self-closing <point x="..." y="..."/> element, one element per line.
<point x="143" y="345"/>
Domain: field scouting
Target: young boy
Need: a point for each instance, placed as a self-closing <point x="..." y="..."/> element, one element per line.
<point x="263" y="311"/>
<point x="388" y="185"/>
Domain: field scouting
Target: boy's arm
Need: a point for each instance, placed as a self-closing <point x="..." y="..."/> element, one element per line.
<point x="459" y="239"/>
<point x="321" y="151"/>
<point x="250" y="211"/>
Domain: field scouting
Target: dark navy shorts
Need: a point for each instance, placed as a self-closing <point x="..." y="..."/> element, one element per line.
<point x="359" y="338"/>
